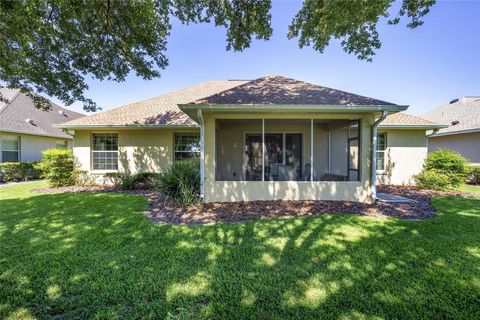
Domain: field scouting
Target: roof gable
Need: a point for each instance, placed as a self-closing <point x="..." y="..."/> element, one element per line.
<point x="278" y="90"/>
<point x="405" y="120"/>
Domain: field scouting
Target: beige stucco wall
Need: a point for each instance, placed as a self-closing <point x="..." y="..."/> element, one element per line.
<point x="31" y="146"/>
<point x="145" y="150"/>
<point x="216" y="191"/>
<point x="404" y="157"/>
<point x="467" y="144"/>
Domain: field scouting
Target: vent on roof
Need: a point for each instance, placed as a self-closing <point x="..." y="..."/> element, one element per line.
<point x="29" y="121"/>
<point x="62" y="113"/>
<point x="454" y="100"/>
<point x="455" y="122"/>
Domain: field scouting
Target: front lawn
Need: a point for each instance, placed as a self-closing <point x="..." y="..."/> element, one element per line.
<point x="69" y="256"/>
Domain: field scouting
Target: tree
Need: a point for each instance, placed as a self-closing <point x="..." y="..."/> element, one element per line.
<point x="51" y="46"/>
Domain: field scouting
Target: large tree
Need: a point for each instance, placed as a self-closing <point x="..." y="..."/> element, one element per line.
<point x="50" y="46"/>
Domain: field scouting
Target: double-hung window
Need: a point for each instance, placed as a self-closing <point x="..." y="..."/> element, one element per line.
<point x="105" y="151"/>
<point x="187" y="146"/>
<point x="10" y="148"/>
<point x="381" y="146"/>
<point x="61" y="144"/>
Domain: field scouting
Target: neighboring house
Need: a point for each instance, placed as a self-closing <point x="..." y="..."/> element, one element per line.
<point x="463" y="131"/>
<point x="264" y="139"/>
<point x="26" y="131"/>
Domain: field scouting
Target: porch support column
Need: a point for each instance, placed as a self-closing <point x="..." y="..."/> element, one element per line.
<point x="263" y="149"/>
<point x="311" y="149"/>
<point x="202" y="153"/>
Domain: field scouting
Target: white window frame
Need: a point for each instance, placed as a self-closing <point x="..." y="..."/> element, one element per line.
<point x="175" y="141"/>
<point x="64" y="143"/>
<point x="97" y="151"/>
<point x="381" y="170"/>
<point x="8" y="150"/>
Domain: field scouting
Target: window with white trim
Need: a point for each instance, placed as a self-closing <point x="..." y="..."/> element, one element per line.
<point x="187" y="146"/>
<point x="381" y="147"/>
<point x="105" y="151"/>
<point x="10" y="148"/>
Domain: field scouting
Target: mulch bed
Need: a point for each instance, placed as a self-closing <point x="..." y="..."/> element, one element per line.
<point x="164" y="211"/>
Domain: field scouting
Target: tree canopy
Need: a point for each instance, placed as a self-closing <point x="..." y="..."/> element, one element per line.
<point x="51" y="46"/>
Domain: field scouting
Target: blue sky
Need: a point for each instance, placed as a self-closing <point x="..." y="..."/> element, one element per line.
<point x="423" y="67"/>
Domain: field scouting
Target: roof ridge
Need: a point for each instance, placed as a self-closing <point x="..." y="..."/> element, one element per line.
<point x="9" y="102"/>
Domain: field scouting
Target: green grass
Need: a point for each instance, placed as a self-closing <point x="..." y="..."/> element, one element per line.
<point x="68" y="256"/>
<point x="470" y="188"/>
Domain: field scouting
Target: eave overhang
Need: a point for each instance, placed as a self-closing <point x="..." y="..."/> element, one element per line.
<point x="191" y="109"/>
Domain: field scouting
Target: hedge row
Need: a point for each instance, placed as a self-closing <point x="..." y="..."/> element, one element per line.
<point x="18" y="171"/>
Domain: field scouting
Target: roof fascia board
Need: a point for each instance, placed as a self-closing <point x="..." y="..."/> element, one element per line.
<point x="289" y="107"/>
<point x="102" y="126"/>
<point x="401" y="126"/>
<point x="66" y="136"/>
<point x="450" y="133"/>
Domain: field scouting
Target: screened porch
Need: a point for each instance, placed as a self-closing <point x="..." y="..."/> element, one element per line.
<point x="287" y="150"/>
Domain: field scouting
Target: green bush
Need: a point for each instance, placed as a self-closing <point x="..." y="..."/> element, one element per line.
<point x="18" y="171"/>
<point x="57" y="166"/>
<point x="181" y="182"/>
<point x="443" y="169"/>
<point x="123" y="181"/>
<point x="432" y="179"/>
<point x="473" y="174"/>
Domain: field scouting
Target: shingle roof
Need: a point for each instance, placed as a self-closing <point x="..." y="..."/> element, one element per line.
<point x="403" y="119"/>
<point x="19" y="108"/>
<point x="466" y="111"/>
<point x="284" y="91"/>
<point x="160" y="110"/>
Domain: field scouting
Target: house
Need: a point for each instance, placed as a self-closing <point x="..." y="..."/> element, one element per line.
<point x="26" y="131"/>
<point x="264" y="139"/>
<point x="463" y="131"/>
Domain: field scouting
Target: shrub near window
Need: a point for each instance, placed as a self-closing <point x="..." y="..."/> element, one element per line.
<point x="57" y="165"/>
<point x="181" y="182"/>
<point x="18" y="171"/>
<point x="473" y="175"/>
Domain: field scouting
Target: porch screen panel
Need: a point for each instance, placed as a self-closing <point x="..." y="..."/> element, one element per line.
<point x="238" y="147"/>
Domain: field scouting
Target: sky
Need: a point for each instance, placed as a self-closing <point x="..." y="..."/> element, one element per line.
<point x="423" y="68"/>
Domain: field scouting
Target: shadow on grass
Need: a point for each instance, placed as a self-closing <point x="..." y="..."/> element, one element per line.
<point x="95" y="255"/>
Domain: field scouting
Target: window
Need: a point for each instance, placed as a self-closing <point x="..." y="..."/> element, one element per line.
<point x="105" y="151"/>
<point x="187" y="146"/>
<point x="10" y="148"/>
<point x="381" y="146"/>
<point x="61" y="144"/>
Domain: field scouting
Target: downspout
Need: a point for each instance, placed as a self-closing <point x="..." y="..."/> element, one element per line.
<point x="373" y="168"/>
<point x="202" y="154"/>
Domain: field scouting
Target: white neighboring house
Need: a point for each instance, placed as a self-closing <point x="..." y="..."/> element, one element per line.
<point x="463" y="133"/>
<point x="26" y="131"/>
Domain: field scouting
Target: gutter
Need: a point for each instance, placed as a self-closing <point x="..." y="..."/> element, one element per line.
<point x="450" y="133"/>
<point x="412" y="126"/>
<point x="29" y="133"/>
<point x="373" y="167"/>
<point x="125" y="126"/>
<point x="202" y="154"/>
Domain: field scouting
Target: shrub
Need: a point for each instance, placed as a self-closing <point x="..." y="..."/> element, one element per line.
<point x="447" y="164"/>
<point x="473" y="174"/>
<point x="432" y="179"/>
<point x="57" y="166"/>
<point x="181" y="182"/>
<point x="125" y="181"/>
<point x="18" y="171"/>
<point x="83" y="178"/>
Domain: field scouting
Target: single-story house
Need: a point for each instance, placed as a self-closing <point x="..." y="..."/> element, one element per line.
<point x="26" y="131"/>
<point x="264" y="139"/>
<point x="463" y="131"/>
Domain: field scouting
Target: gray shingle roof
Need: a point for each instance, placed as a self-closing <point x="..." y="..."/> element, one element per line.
<point x="20" y="107"/>
<point x="160" y="110"/>
<point x="285" y="91"/>
<point x="403" y="119"/>
<point x="466" y="111"/>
